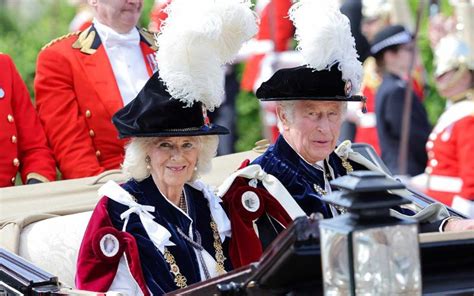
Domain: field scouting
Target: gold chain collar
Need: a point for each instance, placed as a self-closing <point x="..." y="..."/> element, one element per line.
<point x="179" y="279"/>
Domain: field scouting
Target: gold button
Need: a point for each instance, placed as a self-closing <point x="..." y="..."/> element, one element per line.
<point x="97" y="153"/>
<point x="91" y="133"/>
<point x="16" y="162"/>
<point x="14" y="139"/>
<point x="88" y="113"/>
<point x="10" y="118"/>
<point x="13" y="180"/>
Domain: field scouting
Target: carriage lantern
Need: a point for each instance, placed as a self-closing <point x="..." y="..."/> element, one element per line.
<point x="368" y="251"/>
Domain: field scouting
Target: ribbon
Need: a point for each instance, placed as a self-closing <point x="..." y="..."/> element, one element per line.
<point x="271" y="184"/>
<point x="158" y="234"/>
<point x="217" y="212"/>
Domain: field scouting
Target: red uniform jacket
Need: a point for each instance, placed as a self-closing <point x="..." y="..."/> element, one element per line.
<point x="450" y="162"/>
<point x="23" y="144"/>
<point x="77" y="95"/>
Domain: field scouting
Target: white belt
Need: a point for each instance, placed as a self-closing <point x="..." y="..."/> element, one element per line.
<point x="368" y="120"/>
<point x="444" y="183"/>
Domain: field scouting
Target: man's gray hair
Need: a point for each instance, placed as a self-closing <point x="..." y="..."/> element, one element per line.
<point x="135" y="165"/>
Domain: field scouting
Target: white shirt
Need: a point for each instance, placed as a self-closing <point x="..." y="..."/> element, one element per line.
<point x="126" y="59"/>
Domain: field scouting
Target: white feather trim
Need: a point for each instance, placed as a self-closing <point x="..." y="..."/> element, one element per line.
<point x="324" y="38"/>
<point x="196" y="40"/>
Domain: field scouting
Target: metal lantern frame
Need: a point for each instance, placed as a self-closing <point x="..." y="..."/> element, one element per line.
<point x="366" y="198"/>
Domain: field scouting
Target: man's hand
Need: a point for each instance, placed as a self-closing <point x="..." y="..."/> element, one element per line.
<point x="459" y="225"/>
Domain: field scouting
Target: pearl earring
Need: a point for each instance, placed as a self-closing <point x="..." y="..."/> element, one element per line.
<point x="148" y="160"/>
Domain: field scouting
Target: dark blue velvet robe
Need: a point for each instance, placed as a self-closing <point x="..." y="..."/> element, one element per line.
<point x="298" y="176"/>
<point x="155" y="268"/>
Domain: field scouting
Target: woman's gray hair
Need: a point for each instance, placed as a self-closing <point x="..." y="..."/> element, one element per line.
<point x="135" y="164"/>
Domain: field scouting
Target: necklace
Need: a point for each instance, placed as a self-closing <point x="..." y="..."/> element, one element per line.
<point x="182" y="202"/>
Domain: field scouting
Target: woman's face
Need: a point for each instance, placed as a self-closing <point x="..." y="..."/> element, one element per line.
<point x="173" y="160"/>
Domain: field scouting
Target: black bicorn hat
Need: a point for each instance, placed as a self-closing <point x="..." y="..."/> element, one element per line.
<point x="155" y="113"/>
<point x="305" y="83"/>
<point x="388" y="37"/>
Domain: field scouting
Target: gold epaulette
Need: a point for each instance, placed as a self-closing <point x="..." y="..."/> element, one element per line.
<point x="60" y="38"/>
<point x="149" y="37"/>
<point x="84" y="42"/>
<point x="261" y="146"/>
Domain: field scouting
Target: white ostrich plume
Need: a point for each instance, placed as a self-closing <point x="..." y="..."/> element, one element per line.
<point x="196" y="40"/>
<point x="324" y="38"/>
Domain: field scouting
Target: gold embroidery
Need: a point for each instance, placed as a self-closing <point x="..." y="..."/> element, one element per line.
<point x="59" y="39"/>
<point x="84" y="42"/>
<point x="150" y="38"/>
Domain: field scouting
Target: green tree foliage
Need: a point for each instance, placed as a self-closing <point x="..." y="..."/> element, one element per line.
<point x="22" y="39"/>
<point x="249" y="127"/>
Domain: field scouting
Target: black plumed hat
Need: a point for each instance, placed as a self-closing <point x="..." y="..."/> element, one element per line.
<point x="304" y="83"/>
<point x="332" y="71"/>
<point x="154" y="113"/>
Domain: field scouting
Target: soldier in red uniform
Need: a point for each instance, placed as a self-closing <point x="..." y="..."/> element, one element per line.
<point x="450" y="168"/>
<point x="24" y="145"/>
<point x="83" y="78"/>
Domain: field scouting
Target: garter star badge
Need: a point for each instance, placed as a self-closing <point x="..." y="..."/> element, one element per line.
<point x="250" y="201"/>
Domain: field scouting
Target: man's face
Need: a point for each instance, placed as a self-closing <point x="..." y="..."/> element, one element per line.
<point x="454" y="82"/>
<point x="120" y="15"/>
<point x="397" y="61"/>
<point x="313" y="128"/>
<point x="370" y="27"/>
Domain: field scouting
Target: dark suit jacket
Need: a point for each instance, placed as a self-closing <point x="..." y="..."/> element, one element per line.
<point x="389" y="104"/>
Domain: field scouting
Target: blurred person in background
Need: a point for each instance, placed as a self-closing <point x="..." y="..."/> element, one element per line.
<point x="83" y="78"/>
<point x="24" y="145"/>
<point x="377" y="14"/>
<point x="450" y="167"/>
<point x="392" y="49"/>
